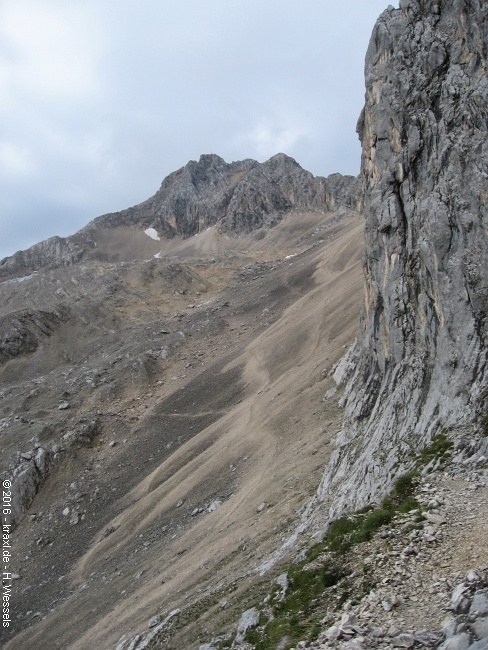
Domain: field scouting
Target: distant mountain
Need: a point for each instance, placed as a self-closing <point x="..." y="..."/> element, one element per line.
<point x="238" y="198"/>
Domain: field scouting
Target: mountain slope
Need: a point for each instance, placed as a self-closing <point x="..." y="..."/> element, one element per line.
<point x="146" y="423"/>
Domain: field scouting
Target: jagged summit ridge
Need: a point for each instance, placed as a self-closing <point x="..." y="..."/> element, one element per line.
<point x="238" y="197"/>
<point x="420" y="360"/>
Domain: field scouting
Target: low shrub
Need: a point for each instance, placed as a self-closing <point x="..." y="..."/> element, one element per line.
<point x="437" y="450"/>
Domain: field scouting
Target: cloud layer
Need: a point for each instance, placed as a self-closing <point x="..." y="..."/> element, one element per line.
<point x="101" y="100"/>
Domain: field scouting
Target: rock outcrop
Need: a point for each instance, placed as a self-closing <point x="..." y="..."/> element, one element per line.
<point x="420" y="361"/>
<point x="239" y="197"/>
<point x="54" y="252"/>
<point x="22" y="332"/>
<point x="34" y="467"/>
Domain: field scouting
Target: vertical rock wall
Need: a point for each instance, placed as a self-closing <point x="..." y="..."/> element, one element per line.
<point x="420" y="359"/>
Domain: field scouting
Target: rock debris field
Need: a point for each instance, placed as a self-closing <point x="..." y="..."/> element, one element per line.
<point x="427" y="581"/>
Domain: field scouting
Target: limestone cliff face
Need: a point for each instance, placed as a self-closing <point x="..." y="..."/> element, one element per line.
<point x="420" y="360"/>
<point x="238" y="197"/>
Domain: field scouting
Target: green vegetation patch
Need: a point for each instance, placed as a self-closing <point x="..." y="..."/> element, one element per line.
<point x="296" y="615"/>
<point x="484" y="425"/>
<point x="438" y="449"/>
<point x="348" y="531"/>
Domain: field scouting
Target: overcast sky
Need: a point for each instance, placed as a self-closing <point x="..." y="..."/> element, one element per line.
<point x="101" y="99"/>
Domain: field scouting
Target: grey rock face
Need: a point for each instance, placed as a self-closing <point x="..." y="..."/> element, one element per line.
<point x="22" y="332"/>
<point x="29" y="476"/>
<point x="468" y="630"/>
<point x="51" y="253"/>
<point x="420" y="360"/>
<point x="240" y="197"/>
<point x="26" y="481"/>
<point x="248" y="621"/>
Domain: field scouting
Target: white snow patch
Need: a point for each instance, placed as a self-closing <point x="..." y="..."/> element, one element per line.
<point x="152" y="233"/>
<point x="288" y="257"/>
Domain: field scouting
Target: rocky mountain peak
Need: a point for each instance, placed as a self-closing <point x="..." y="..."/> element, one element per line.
<point x="200" y="172"/>
<point x="239" y="198"/>
<point x="281" y="160"/>
<point x="209" y="160"/>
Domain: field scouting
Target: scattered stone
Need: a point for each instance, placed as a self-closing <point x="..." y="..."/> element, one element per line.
<point x="404" y="641"/>
<point x="459" y="642"/>
<point x="284" y="643"/>
<point x="409" y="550"/>
<point x="283" y="582"/>
<point x="248" y="621"/>
<point x="473" y="576"/>
<point x="389" y="602"/>
<point x="479" y="604"/>
<point x="330" y="393"/>
<point x="427" y="639"/>
<point x="377" y="632"/>
<point x="355" y="644"/>
<point x="41" y="461"/>
<point x="459" y="599"/>
<point x="435" y="519"/>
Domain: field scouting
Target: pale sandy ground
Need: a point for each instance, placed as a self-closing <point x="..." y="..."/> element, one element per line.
<point x="271" y="446"/>
<point x="126" y="244"/>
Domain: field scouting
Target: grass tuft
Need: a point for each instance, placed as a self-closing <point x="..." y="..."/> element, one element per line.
<point x="438" y="449"/>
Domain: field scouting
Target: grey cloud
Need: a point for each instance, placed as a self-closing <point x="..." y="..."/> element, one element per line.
<point x="175" y="80"/>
